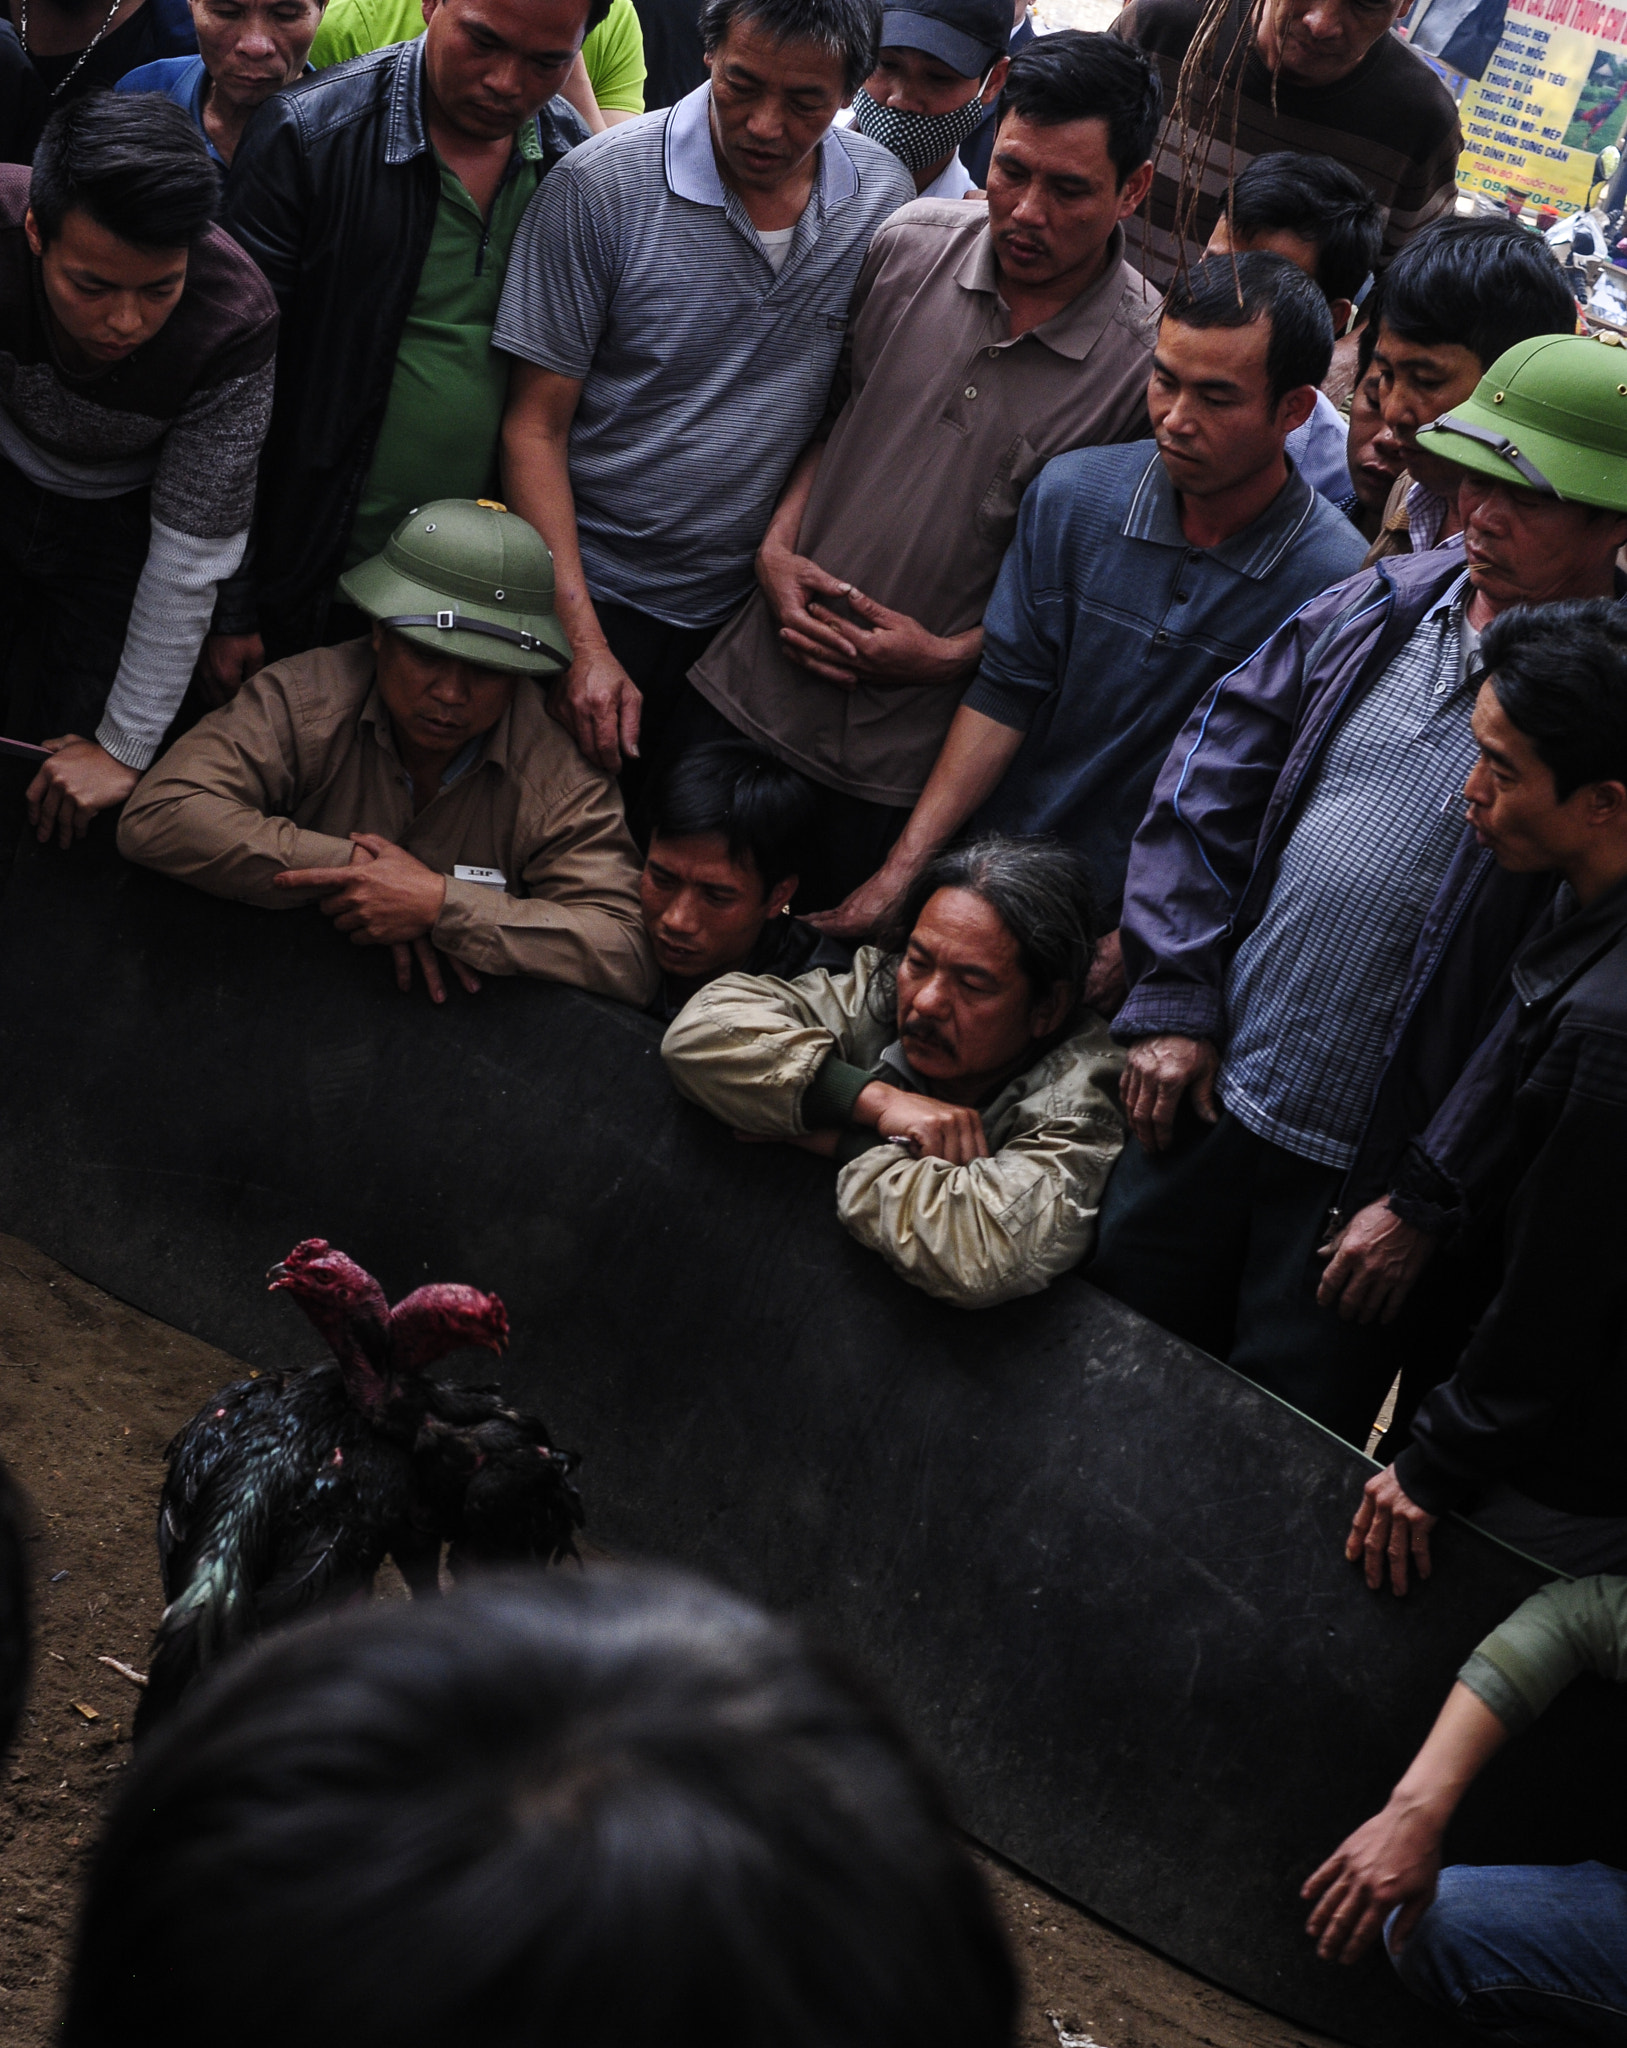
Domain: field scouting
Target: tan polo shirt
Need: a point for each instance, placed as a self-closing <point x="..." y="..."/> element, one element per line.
<point x="304" y="755"/>
<point x="948" y="421"/>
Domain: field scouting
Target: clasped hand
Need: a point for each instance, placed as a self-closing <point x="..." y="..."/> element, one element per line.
<point x="385" y="898"/>
<point x="878" y="646"/>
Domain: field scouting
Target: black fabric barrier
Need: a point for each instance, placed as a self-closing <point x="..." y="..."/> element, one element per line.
<point x="1099" y="1572"/>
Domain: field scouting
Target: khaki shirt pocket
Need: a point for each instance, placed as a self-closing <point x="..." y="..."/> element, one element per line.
<point x="996" y="517"/>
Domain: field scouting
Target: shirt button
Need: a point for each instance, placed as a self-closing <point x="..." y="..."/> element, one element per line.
<point x="971" y="391"/>
<point x="994" y="351"/>
<point x="1180" y="597"/>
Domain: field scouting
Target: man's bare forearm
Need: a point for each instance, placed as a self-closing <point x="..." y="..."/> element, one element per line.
<point x="970" y="767"/>
<point x="786" y="524"/>
<point x="1464" y="1739"/>
<point x="537" y="485"/>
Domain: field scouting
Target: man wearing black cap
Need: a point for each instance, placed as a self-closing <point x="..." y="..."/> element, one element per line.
<point x="939" y="72"/>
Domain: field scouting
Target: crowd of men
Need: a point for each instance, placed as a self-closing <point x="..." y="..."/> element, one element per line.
<point x="863" y="561"/>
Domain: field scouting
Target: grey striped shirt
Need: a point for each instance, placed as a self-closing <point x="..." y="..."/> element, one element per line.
<point x="703" y="373"/>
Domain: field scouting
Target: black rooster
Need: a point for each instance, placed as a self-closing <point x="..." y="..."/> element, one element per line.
<point x="287" y="1491"/>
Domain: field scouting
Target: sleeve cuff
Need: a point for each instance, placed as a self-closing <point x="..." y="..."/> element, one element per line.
<point x="828" y="1101"/>
<point x="1425" y="1197"/>
<point x="1012" y="704"/>
<point x="1493" y="1689"/>
<point x="129" y="752"/>
<point x="1188" y="1011"/>
<point x="1434" y="1489"/>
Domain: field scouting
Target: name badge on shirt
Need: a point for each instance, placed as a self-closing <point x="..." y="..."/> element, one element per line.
<point x="491" y="878"/>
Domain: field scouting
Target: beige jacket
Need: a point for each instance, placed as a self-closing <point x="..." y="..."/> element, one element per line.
<point x="303" y="755"/>
<point x="748" y="1047"/>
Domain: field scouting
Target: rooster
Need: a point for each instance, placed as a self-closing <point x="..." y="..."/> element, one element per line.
<point x="287" y="1491"/>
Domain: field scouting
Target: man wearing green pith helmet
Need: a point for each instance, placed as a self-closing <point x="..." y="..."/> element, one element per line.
<point x="412" y="783"/>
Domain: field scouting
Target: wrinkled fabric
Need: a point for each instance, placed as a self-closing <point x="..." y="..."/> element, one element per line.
<point x="748" y="1049"/>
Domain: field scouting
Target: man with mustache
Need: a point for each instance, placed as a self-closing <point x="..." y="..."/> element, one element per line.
<point x="381" y="199"/>
<point x="1316" y="945"/>
<point x="955" y="1075"/>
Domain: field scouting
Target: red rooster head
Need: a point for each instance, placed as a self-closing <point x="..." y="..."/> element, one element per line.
<point x="346" y="1304"/>
<point x="433" y="1321"/>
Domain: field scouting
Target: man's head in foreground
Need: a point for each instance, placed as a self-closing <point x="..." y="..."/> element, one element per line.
<point x="728" y="825"/>
<point x="941" y="66"/>
<point x="1454" y="300"/>
<point x="1312" y="210"/>
<point x="780" y="70"/>
<point x="121" y="188"/>
<point x="1243" y="345"/>
<point x="1549" y="791"/>
<point x="988" y="970"/>
<point x="1537" y="460"/>
<point x="462" y="604"/>
<point x="591" y="1810"/>
<point x="1072" y="156"/>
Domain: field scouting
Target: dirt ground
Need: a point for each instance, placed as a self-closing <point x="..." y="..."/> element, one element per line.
<point x="90" y="1392"/>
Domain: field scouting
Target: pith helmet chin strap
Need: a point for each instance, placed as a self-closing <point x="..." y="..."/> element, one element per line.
<point x="1501" y="445"/>
<point x="455" y="622"/>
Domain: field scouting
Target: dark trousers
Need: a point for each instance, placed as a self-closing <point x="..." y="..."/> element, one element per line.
<point x="658" y="657"/>
<point x="1216" y="1240"/>
<point x="850" y="839"/>
<point x="68" y="574"/>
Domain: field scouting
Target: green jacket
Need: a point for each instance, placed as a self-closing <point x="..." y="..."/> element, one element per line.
<point x="750" y="1048"/>
<point x="1572" y="1626"/>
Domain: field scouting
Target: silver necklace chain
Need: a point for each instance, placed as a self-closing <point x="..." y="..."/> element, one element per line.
<point x="22" y="37"/>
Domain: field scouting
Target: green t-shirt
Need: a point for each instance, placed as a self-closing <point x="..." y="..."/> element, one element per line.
<point x="613" y="53"/>
<point x="445" y="411"/>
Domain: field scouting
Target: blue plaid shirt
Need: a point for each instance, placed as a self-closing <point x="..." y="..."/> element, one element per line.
<point x="1311" y="991"/>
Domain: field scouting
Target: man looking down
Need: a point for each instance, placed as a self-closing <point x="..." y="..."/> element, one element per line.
<point x="939" y="70"/>
<point x="956" y="1077"/>
<point x="651" y="425"/>
<point x="983" y="340"/>
<point x="415" y="783"/>
<point x="247" y="50"/>
<point x="1316" y="945"/>
<point x="1529" y="1434"/>
<point x="136" y="346"/>
<point x="381" y="200"/>
<point x="728" y="828"/>
<point x="1139" y="575"/>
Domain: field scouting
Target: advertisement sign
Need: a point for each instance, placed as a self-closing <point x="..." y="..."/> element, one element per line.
<point x="1553" y="95"/>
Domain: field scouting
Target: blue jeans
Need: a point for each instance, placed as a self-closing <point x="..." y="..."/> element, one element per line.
<point x="1528" y="1955"/>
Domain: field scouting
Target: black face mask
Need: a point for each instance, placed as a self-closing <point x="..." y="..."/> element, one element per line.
<point x="917" y="140"/>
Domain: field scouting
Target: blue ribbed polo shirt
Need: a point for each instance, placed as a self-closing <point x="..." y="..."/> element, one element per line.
<point x="703" y="372"/>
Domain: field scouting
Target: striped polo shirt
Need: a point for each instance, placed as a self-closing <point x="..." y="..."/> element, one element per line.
<point x="704" y="372"/>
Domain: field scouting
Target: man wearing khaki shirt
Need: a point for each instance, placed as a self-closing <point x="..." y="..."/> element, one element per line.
<point x="416" y="784"/>
<point x="983" y="340"/>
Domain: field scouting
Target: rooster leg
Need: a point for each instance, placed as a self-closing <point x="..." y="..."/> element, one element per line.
<point x="417" y="1554"/>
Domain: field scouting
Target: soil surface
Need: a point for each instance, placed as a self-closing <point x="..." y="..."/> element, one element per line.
<point x="91" y="1390"/>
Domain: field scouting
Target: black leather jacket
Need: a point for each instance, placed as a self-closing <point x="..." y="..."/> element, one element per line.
<point x="333" y="193"/>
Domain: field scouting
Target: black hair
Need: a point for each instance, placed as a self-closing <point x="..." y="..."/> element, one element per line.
<point x="590" y="1810"/>
<point x="1235" y="291"/>
<point x="1560" y="673"/>
<point x="1043" y="895"/>
<point x="1367" y="332"/>
<point x="134" y="162"/>
<point x="762" y="808"/>
<point x="1078" y="74"/>
<point x="1320" y="200"/>
<point x="1485" y="284"/>
<point x="849" y="29"/>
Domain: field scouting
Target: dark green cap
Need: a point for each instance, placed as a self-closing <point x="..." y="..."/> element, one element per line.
<point x="470" y="578"/>
<point x="1549" y="415"/>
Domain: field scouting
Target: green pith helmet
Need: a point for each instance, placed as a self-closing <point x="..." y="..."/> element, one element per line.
<point x="469" y="578"/>
<point x="1549" y="415"/>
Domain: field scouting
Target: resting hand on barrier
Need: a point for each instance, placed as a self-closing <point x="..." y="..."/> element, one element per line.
<point x="1372" y="1265"/>
<point x="929" y="1128"/>
<point x="79" y="780"/>
<point x="383" y="898"/>
<point x="1389" y="1527"/>
<point x="1158" y="1073"/>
